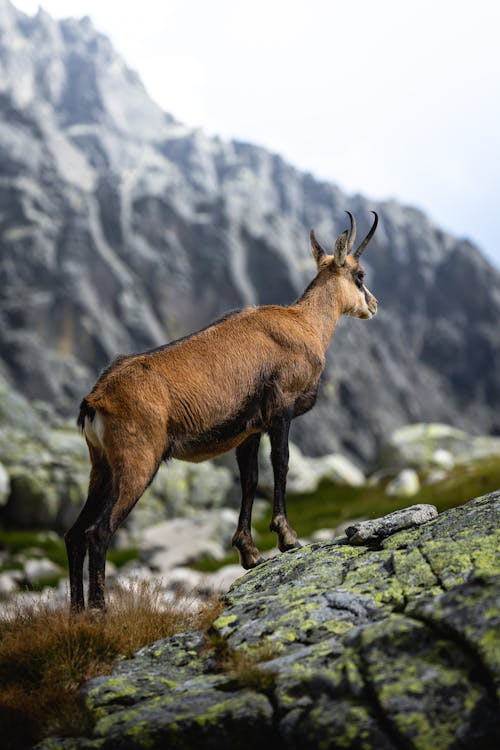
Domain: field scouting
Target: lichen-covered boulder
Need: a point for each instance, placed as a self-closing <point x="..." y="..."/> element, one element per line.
<point x="183" y="486"/>
<point x="48" y="477"/>
<point x="33" y="500"/>
<point x="45" y="461"/>
<point x="381" y="648"/>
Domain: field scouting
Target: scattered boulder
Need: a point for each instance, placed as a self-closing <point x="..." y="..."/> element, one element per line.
<point x="428" y="446"/>
<point x="337" y="646"/>
<point x="223" y="578"/>
<point x="9" y="582"/>
<point x="48" y="476"/>
<point x="33" y="501"/>
<point x="443" y="459"/>
<point x="322" y="535"/>
<point x="181" y="581"/>
<point x="305" y="472"/>
<point x="175" y="543"/>
<point x="181" y="489"/>
<point x="4" y="485"/>
<point x="435" y="476"/>
<point x="405" y="484"/>
<point x="36" y="570"/>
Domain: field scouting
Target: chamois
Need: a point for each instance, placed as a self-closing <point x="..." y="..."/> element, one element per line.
<point x="250" y="372"/>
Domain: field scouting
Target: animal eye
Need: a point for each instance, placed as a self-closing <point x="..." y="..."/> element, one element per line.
<point x="359" y="279"/>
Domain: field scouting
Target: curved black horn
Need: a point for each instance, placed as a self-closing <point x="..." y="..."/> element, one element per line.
<point x="368" y="236"/>
<point x="352" y="234"/>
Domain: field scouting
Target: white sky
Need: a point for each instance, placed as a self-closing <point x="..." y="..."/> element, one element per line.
<point x="386" y="98"/>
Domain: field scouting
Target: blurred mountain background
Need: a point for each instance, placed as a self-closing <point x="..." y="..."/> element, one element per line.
<point x="122" y="228"/>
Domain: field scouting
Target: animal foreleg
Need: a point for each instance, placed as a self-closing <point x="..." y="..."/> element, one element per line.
<point x="247" y="458"/>
<point x="287" y="538"/>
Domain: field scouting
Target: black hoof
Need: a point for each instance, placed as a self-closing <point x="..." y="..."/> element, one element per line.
<point x="288" y="547"/>
<point x="249" y="566"/>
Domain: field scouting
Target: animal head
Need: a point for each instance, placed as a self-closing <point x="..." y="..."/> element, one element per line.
<point x="345" y="267"/>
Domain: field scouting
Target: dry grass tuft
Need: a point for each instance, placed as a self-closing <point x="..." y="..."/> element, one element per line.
<point x="243" y="667"/>
<point x="45" y="656"/>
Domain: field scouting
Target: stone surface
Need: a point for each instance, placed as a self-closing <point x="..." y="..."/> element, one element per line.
<point x="373" y="531"/>
<point x="382" y="649"/>
<point x="122" y="229"/>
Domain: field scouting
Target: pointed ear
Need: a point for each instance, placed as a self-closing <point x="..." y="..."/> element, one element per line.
<point x="318" y="252"/>
<point x="340" y="249"/>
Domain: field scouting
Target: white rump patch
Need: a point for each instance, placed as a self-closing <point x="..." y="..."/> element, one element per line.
<point x="94" y="430"/>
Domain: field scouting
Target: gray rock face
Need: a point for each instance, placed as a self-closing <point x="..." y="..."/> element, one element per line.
<point x="121" y="229"/>
<point x="345" y="647"/>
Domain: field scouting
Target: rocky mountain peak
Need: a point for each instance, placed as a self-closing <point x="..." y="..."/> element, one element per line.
<point x="75" y="70"/>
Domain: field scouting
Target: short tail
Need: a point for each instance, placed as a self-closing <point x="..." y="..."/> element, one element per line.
<point x="85" y="411"/>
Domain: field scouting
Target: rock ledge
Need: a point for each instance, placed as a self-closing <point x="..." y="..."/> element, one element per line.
<point x="388" y="648"/>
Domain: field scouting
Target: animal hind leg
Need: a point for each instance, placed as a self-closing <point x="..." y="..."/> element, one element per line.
<point x="75" y="539"/>
<point x="278" y="433"/>
<point x="247" y="458"/>
<point x="131" y="476"/>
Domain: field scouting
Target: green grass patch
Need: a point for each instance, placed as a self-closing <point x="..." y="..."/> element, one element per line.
<point x="123" y="555"/>
<point x="11" y="566"/>
<point x="208" y="564"/>
<point x="46" y="581"/>
<point x="466" y="482"/>
<point x="52" y="547"/>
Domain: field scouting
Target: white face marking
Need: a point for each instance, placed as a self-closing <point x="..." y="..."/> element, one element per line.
<point x="94" y="431"/>
<point x="365" y="305"/>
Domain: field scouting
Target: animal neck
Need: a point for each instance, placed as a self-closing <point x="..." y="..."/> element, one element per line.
<point x="321" y="306"/>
